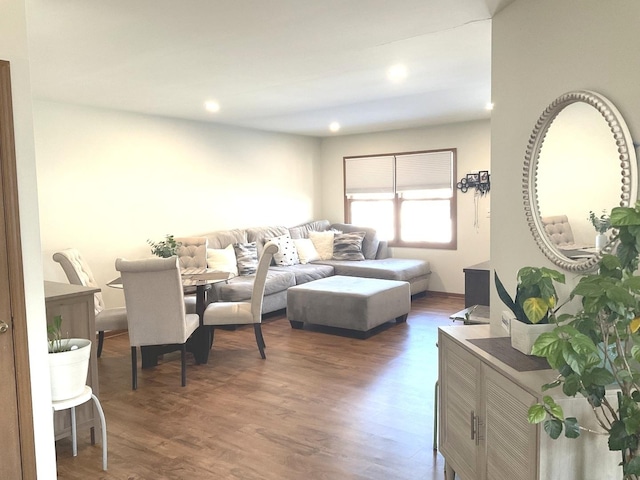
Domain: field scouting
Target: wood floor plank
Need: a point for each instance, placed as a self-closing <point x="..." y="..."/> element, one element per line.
<point x="321" y="406"/>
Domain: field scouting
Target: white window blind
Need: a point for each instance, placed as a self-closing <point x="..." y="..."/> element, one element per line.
<point x="369" y="175"/>
<point x="424" y="171"/>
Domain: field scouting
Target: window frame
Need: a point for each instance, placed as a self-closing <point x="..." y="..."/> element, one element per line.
<point x="398" y="200"/>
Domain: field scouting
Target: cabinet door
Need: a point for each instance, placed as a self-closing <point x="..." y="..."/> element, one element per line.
<point x="459" y="387"/>
<point x="510" y="442"/>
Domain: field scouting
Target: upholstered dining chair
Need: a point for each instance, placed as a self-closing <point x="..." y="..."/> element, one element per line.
<point x="78" y="273"/>
<point x="244" y="313"/>
<point x="192" y="254"/>
<point x="155" y="306"/>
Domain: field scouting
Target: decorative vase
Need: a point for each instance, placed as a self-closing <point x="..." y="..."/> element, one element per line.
<point x="524" y="335"/>
<point x="601" y="241"/>
<point x="68" y="370"/>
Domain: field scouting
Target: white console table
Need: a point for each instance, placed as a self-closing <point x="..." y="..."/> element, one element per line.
<point x="484" y="432"/>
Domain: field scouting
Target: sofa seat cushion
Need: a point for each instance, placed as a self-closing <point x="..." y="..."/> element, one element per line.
<point x="239" y="289"/>
<point x="401" y="269"/>
<point x="307" y="272"/>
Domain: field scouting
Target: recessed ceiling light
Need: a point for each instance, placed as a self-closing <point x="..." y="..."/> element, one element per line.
<point x="212" y="106"/>
<point x="334" y="126"/>
<point x="489" y="106"/>
<point x="397" y="73"/>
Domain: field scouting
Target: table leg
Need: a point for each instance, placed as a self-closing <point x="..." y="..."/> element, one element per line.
<point x="202" y="338"/>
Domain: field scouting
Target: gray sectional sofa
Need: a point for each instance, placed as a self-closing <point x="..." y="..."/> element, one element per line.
<point x="375" y="265"/>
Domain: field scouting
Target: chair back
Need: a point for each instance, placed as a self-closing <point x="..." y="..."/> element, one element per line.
<point x="154" y="300"/>
<point x="193" y="252"/>
<point x="79" y="273"/>
<point x="559" y="229"/>
<point x="260" y="280"/>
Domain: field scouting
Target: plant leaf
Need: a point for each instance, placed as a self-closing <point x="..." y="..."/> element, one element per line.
<point x="536" y="413"/>
<point x="571" y="428"/>
<point x="553" y="427"/>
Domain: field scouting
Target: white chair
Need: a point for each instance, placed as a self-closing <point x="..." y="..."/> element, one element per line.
<point x="155" y="307"/>
<point x="192" y="254"/>
<point x="72" y="403"/>
<point x="244" y="313"/>
<point x="79" y="273"/>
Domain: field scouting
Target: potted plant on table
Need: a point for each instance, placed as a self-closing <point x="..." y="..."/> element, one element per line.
<point x="602" y="224"/>
<point x="68" y="362"/>
<point x="165" y="248"/>
<point x="599" y="348"/>
<point x="533" y="307"/>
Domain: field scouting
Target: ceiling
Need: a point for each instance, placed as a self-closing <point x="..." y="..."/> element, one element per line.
<point x="280" y="65"/>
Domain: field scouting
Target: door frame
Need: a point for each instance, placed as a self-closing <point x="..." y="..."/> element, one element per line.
<point x="9" y="179"/>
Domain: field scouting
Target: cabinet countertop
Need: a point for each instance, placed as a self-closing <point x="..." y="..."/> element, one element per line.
<point x="56" y="290"/>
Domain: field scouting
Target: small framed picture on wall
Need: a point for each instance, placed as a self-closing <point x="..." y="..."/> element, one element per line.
<point x="472" y="179"/>
<point x="483" y="176"/>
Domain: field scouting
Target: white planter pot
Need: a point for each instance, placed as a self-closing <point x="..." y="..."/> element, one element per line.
<point x="68" y="370"/>
<point x="524" y="335"/>
<point x="601" y="241"/>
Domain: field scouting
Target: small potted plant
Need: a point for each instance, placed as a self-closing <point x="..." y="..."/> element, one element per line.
<point x="165" y="248"/>
<point x="599" y="347"/>
<point x="602" y="224"/>
<point x="68" y="362"/>
<point x="534" y="306"/>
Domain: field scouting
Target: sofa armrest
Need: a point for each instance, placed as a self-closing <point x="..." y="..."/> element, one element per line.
<point x="383" y="250"/>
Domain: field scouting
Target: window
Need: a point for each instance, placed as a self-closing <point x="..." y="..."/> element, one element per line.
<point x="409" y="198"/>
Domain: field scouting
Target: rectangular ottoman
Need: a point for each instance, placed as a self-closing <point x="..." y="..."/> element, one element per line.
<point x="353" y="303"/>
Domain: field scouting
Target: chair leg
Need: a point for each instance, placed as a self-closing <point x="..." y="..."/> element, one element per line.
<point x="100" y="342"/>
<point x="183" y="359"/>
<point x="257" y="328"/>
<point x="134" y="369"/>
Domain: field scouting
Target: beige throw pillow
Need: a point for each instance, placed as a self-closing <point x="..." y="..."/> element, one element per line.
<point x="323" y="242"/>
<point x="222" y="259"/>
<point x="306" y="251"/>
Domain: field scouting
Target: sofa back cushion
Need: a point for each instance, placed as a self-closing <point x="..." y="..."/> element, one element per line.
<point x="224" y="238"/>
<point x="302" y="231"/>
<point x="370" y="242"/>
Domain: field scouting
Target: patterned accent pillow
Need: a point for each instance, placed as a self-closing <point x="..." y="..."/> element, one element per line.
<point x="306" y="251"/>
<point x="247" y="257"/>
<point x="287" y="253"/>
<point x="348" y="246"/>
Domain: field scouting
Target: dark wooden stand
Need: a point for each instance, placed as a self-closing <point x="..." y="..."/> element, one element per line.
<point x="476" y="284"/>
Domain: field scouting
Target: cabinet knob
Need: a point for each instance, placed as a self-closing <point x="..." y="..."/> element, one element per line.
<point x="3" y="327"/>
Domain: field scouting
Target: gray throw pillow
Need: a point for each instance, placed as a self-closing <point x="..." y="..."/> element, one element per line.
<point x="247" y="257"/>
<point x="348" y="246"/>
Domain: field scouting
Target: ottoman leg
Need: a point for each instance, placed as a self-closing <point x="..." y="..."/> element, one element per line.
<point x="296" y="324"/>
<point x="402" y="318"/>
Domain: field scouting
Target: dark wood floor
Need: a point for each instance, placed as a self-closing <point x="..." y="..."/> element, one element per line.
<point x="320" y="407"/>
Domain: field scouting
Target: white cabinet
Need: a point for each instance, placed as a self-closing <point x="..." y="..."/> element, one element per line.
<point x="484" y="432"/>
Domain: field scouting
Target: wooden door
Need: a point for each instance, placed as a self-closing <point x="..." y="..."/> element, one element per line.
<point x="17" y="449"/>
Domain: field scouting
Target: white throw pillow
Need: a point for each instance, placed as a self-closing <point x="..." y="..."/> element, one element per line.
<point x="287" y="253"/>
<point x="222" y="259"/>
<point x="323" y="241"/>
<point x="306" y="251"/>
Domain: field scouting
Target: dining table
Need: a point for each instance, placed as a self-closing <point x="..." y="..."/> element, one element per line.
<point x="195" y="281"/>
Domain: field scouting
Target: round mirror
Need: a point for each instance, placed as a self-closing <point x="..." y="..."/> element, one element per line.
<point x="580" y="159"/>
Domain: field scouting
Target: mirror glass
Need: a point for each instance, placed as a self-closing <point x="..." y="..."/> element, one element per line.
<point x="580" y="159"/>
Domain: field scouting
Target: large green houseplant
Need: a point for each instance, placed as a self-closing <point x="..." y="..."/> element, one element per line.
<point x="597" y="350"/>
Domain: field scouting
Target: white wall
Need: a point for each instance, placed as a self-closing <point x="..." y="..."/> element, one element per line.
<point x="472" y="140"/>
<point x="109" y="180"/>
<point x="541" y="50"/>
<point x="13" y="47"/>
